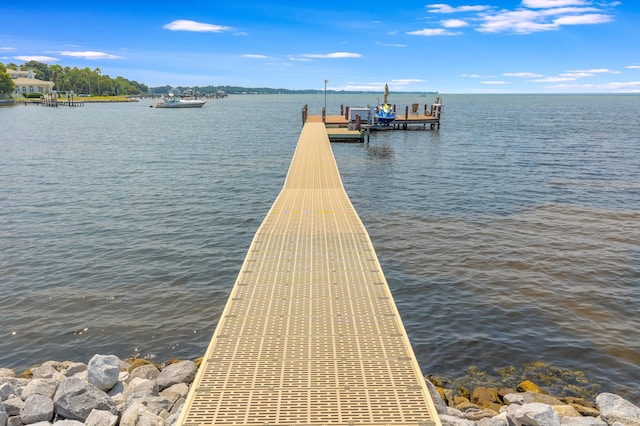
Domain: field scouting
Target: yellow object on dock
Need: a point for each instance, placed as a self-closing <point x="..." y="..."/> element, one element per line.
<point x="310" y="334"/>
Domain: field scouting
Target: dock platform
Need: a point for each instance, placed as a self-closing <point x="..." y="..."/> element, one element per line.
<point x="310" y="334"/>
<point x="351" y="127"/>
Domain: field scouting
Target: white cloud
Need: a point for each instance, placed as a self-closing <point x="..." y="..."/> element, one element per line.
<point x="407" y="81"/>
<point x="430" y="32"/>
<point x="552" y="79"/>
<point x="618" y="87"/>
<point x="596" y="71"/>
<point x="532" y="16"/>
<point x="521" y="21"/>
<point x="187" y="25"/>
<point x="370" y="87"/>
<point x="633" y="67"/>
<point x="495" y="82"/>
<point x="333" y="55"/>
<point x="7" y="49"/>
<point x="522" y="74"/>
<point x="474" y="76"/>
<point x="38" y="58"/>
<point x="543" y="15"/>
<point x="454" y="23"/>
<point x="445" y="8"/>
<point x="575" y="75"/>
<point x="89" y="55"/>
<point x="583" y="19"/>
<point x="252" y="56"/>
<point x="293" y="58"/>
<point x="544" y="4"/>
<point x="391" y="44"/>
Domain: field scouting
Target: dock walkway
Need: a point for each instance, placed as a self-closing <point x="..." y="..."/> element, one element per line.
<point x="310" y="334"/>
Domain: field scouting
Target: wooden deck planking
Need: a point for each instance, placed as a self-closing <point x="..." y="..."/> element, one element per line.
<point x="310" y="334"/>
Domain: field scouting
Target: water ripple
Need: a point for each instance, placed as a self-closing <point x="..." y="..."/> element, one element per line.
<point x="508" y="236"/>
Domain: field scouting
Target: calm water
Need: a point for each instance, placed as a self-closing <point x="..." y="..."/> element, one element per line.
<point x="509" y="236"/>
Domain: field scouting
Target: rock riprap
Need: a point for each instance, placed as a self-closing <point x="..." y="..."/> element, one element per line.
<point x="108" y="392"/>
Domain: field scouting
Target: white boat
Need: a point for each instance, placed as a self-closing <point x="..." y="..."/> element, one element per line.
<point x="177" y="102"/>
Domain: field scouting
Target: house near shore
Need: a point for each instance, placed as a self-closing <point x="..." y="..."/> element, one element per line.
<point x="26" y="83"/>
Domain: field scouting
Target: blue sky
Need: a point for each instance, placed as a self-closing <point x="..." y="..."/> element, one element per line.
<point x="492" y="46"/>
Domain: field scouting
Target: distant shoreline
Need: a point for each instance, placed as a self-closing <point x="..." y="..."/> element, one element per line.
<point x="34" y="101"/>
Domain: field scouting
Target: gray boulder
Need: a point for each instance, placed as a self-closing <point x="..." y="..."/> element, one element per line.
<point x="48" y="370"/>
<point x="514" y="399"/>
<point x="74" y="368"/>
<point x="75" y="399"/>
<point x="15" y="382"/>
<point x="172" y="419"/>
<point x="147" y="371"/>
<point x="66" y="422"/>
<point x="176" y="392"/>
<point x="3" y="415"/>
<point x="477" y="414"/>
<point x="36" y="408"/>
<point x="137" y="414"/>
<point x="154" y="404"/>
<point x="7" y="390"/>
<point x="6" y="372"/>
<point x="441" y="407"/>
<point x="46" y="387"/>
<point x="529" y="397"/>
<point x="614" y="408"/>
<point x="180" y="372"/>
<point x="448" y="420"/>
<point x="532" y="414"/>
<point x="177" y="406"/>
<point x="582" y="421"/>
<point x="103" y="371"/>
<point x="13" y="405"/>
<point x="499" y="420"/>
<point x="101" y="418"/>
<point x="139" y="387"/>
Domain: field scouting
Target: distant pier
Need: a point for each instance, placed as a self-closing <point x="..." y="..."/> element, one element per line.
<point x="355" y="124"/>
<point x="54" y="101"/>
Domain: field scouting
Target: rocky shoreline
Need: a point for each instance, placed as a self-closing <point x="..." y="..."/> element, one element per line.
<point x="109" y="391"/>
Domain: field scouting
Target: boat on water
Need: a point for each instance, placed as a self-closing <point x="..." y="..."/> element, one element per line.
<point x="385" y="115"/>
<point x="178" y="102"/>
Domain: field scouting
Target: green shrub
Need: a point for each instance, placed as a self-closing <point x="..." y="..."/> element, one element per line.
<point x="32" y="95"/>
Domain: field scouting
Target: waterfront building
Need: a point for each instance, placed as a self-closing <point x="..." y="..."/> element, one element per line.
<point x="25" y="83"/>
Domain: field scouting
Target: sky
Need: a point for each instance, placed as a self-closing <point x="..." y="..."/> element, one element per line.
<point x="491" y="46"/>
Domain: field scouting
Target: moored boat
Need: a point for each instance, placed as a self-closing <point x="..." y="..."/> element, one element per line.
<point x="177" y="102"/>
<point x="385" y="115"/>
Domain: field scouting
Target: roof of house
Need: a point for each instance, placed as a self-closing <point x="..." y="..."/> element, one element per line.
<point x="22" y="81"/>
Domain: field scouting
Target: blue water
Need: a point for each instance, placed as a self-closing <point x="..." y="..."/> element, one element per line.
<point x="509" y="236"/>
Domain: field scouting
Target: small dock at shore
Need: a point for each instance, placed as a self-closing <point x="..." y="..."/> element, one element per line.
<point x="54" y="101"/>
<point x="356" y="124"/>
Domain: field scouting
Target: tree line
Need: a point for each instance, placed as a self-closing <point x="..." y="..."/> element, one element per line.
<point x="80" y="80"/>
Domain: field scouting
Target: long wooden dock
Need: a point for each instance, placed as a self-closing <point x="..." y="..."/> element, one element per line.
<point x="310" y="334"/>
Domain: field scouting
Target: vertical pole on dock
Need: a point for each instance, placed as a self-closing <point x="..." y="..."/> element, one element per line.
<point x="324" y="115"/>
<point x="325" y="95"/>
